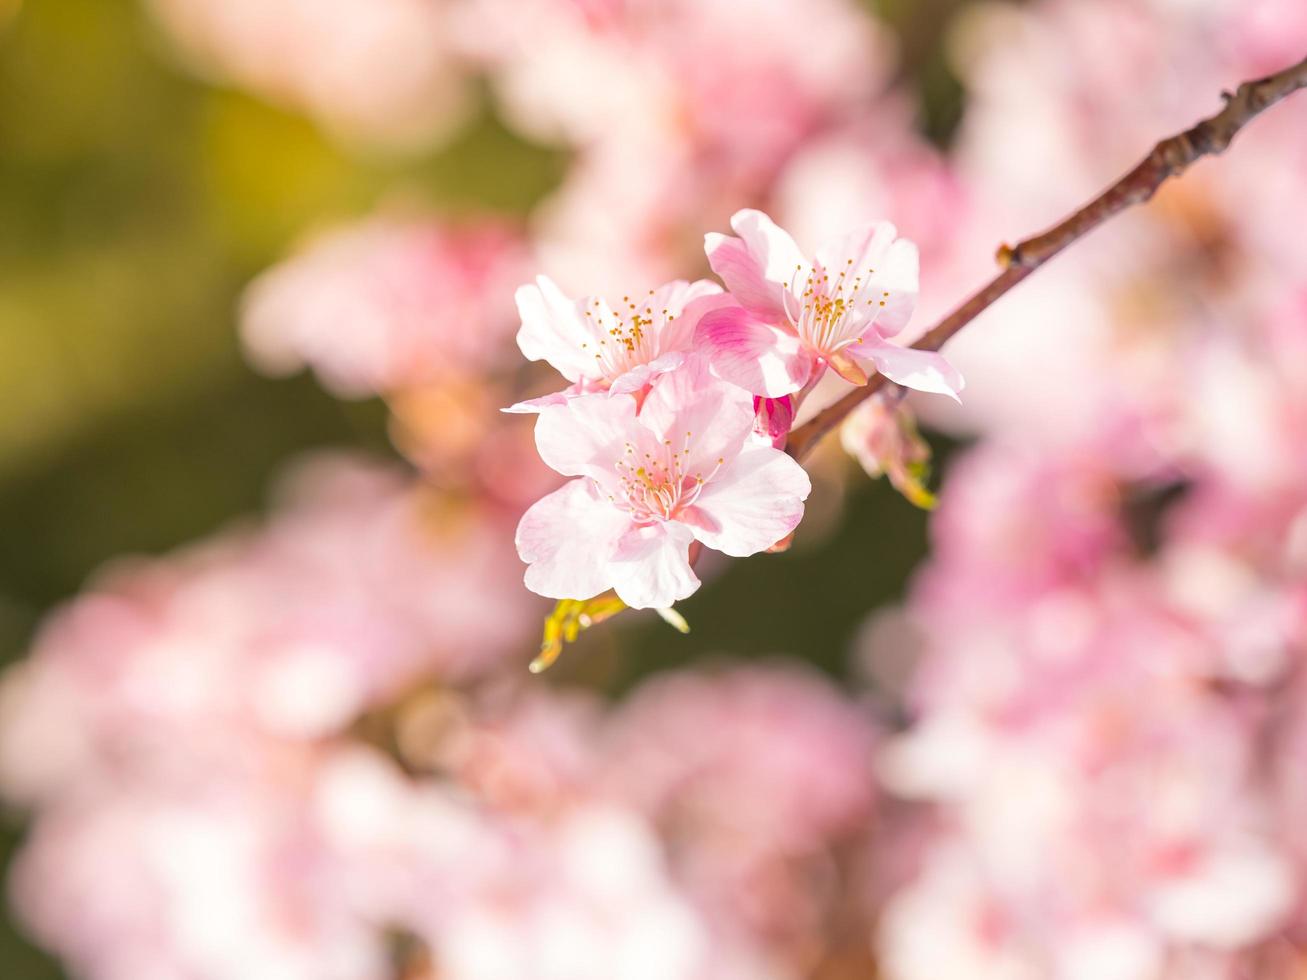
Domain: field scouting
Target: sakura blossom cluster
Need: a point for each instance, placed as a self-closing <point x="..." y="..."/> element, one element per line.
<point x="680" y="402"/>
<point x="291" y="752"/>
<point x="1106" y="705"/>
<point x="707" y="102"/>
<point x="396" y="303"/>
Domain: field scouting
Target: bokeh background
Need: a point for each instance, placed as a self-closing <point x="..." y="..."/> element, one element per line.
<point x="139" y="201"/>
<point x="1115" y="589"/>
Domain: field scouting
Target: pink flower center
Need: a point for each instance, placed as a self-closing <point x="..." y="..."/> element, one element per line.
<point x="626" y="340"/>
<point x="657" y="486"/>
<point x="830" y="315"/>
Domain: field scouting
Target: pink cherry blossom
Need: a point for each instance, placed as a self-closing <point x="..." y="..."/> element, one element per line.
<point x="705" y="102"/>
<point x="724" y="81"/>
<point x="383" y="72"/>
<point x="587" y="897"/>
<point x="1078" y="834"/>
<point x="797" y="316"/>
<point x="650" y="483"/>
<point x="756" y="776"/>
<point x="1080" y="90"/>
<point x="226" y="882"/>
<point x="386" y="304"/>
<point x="879" y="165"/>
<point x="775" y="726"/>
<point x="620" y="347"/>
<point x="355" y="589"/>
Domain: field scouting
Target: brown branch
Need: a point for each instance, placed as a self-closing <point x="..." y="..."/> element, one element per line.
<point x="1169" y="158"/>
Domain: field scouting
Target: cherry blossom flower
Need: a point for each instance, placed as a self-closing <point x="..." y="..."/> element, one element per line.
<point x="797" y="316"/>
<point x="775" y="725"/>
<point x="601" y="347"/>
<point x="755" y="776"/>
<point x="384" y="72"/>
<point x="650" y="483"/>
<point x="386" y="304"/>
<point x="1045" y="628"/>
<point x="226" y="882"/>
<point x="351" y="592"/>
<point x="587" y="897"/>
<point x="722" y="83"/>
<point x="1081" y="91"/>
<point x="706" y="102"/>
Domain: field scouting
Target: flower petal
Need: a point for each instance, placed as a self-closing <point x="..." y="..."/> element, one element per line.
<point x="650" y="568"/>
<point x="858" y="251"/>
<point x="898" y="274"/>
<point x="586" y="436"/>
<point x="745" y="276"/>
<point x="921" y="370"/>
<point x="773" y="248"/>
<point x="685" y="304"/>
<point x="758" y="357"/>
<point x="533" y="406"/>
<point x="754" y="501"/>
<point x="699" y="415"/>
<point x="566" y="539"/>
<point x="636" y="378"/>
<point x="553" y="330"/>
<point x="884" y="268"/>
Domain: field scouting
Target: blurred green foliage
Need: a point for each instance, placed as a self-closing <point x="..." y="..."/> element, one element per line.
<point x="136" y="201"/>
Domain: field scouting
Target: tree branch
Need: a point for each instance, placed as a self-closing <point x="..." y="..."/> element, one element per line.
<point x="1169" y="158"/>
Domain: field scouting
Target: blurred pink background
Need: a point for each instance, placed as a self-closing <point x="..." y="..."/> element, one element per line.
<point x="302" y="744"/>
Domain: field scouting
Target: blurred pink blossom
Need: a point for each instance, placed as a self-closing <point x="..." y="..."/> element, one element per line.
<point x="727" y="78"/>
<point x="527" y="843"/>
<point x="587" y="896"/>
<point x="355" y="589"/>
<point x="1093" y="729"/>
<point x="882" y="436"/>
<point x="380" y="71"/>
<point x="388" y="304"/>
<point x="703" y="101"/>
<point x="1083" y="91"/>
<point x="225" y="881"/>
<point x="757" y="776"/>
<point x="1107" y="700"/>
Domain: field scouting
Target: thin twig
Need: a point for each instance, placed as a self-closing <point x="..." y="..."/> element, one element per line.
<point x="1169" y="158"/>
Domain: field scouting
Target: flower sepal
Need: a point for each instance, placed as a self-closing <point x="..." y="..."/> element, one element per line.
<point x="571" y="617"/>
